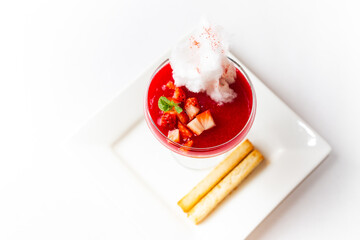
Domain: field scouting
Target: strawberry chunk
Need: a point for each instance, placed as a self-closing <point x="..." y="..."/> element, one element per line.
<point x="174" y="135"/>
<point x="170" y="85"/>
<point x="179" y="94"/>
<point x="168" y="120"/>
<point x="174" y="100"/>
<point x="183" y="117"/>
<point x="206" y="119"/>
<point x="195" y="126"/>
<point x="187" y="144"/>
<point x="184" y="132"/>
<point x="192" y="102"/>
<point x="192" y="107"/>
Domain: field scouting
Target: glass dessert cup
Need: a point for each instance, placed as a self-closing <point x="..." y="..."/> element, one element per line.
<point x="200" y="157"/>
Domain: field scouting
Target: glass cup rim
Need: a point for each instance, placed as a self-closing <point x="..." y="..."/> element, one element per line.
<point x="197" y="149"/>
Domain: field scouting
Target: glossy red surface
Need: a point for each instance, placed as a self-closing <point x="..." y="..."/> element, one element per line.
<point x="230" y="118"/>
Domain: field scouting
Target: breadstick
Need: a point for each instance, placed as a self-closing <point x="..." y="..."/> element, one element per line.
<point x="223" y="188"/>
<point x="215" y="176"/>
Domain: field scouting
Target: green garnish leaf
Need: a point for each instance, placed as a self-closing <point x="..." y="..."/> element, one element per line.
<point x="166" y="105"/>
<point x="165" y="99"/>
<point x="178" y="109"/>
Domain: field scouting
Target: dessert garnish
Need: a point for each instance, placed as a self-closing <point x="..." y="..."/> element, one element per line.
<point x="208" y="203"/>
<point x="218" y="173"/>
<point x="200" y="63"/>
<point x="220" y="182"/>
<point x="189" y="123"/>
<point x="167" y="104"/>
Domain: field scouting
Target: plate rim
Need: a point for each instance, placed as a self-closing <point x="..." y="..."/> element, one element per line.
<point x="326" y="148"/>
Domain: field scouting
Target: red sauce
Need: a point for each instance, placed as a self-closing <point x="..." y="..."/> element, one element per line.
<point x="230" y="118"/>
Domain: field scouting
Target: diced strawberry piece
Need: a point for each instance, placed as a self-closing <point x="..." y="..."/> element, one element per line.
<point x="206" y="119"/>
<point x="195" y="126"/>
<point x="174" y="135"/>
<point x="192" y="111"/>
<point x="174" y="100"/>
<point x="192" y="101"/>
<point x="184" y="132"/>
<point x="192" y="107"/>
<point x="183" y="117"/>
<point x="186" y="145"/>
<point x="170" y="85"/>
<point x="179" y="94"/>
<point x="189" y="143"/>
<point x="168" y="120"/>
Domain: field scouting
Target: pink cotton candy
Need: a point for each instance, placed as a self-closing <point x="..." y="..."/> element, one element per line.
<point x="200" y="63"/>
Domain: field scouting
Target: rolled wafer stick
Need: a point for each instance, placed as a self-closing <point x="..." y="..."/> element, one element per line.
<point x="215" y="176"/>
<point x="223" y="188"/>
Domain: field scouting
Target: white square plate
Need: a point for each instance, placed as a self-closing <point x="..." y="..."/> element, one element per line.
<point x="145" y="182"/>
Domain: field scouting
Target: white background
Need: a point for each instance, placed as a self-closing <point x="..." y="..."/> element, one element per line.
<point x="60" y="61"/>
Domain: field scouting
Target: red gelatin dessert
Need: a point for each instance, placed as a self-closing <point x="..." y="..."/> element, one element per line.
<point x="193" y="124"/>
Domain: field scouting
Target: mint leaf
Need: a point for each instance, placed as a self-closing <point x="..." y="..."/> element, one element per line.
<point x="178" y="109"/>
<point x="165" y="99"/>
<point x="166" y="105"/>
